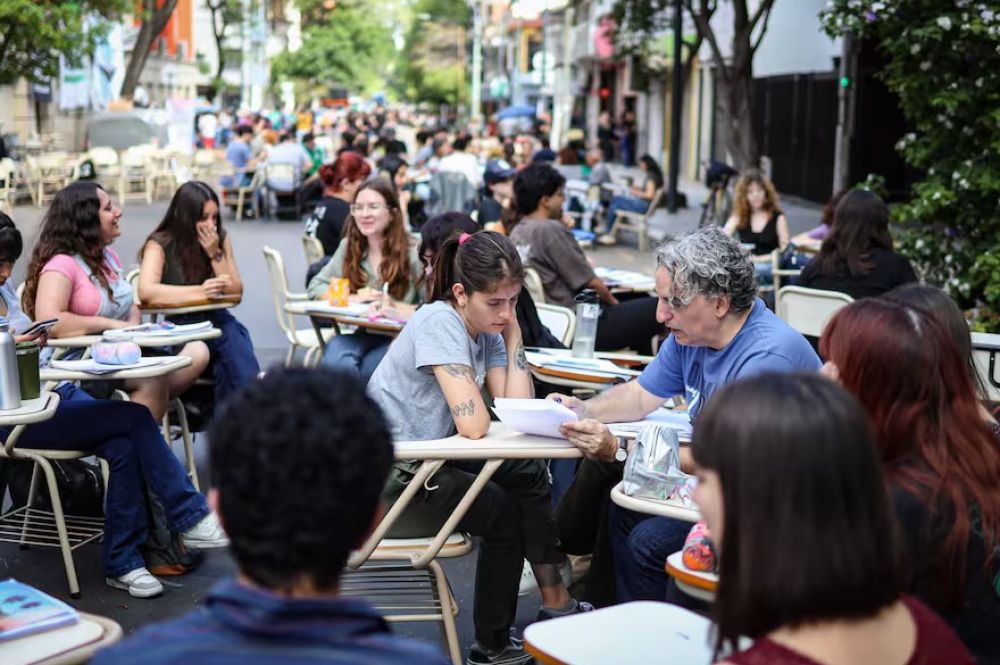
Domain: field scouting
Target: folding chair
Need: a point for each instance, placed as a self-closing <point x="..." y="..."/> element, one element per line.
<point x="561" y="321"/>
<point x="809" y="310"/>
<point x="133" y="177"/>
<point x="238" y="195"/>
<point x="284" y="173"/>
<point x="637" y="222"/>
<point x="533" y="282"/>
<point x="985" y="347"/>
<point x="305" y="338"/>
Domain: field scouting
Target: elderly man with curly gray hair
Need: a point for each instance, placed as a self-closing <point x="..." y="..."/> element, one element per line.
<point x="720" y="332"/>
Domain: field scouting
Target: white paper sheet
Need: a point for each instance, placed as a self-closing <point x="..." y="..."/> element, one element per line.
<point x="678" y="420"/>
<point x="91" y="366"/>
<point x="586" y="365"/>
<point x="359" y="310"/>
<point x="155" y="330"/>
<point x="533" y="416"/>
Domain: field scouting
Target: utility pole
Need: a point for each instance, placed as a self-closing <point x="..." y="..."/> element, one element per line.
<point x="677" y="106"/>
<point x="845" y="114"/>
<point x="478" y="9"/>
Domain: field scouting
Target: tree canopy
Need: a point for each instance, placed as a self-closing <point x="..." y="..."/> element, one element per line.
<point x="342" y="46"/>
<point x="942" y="63"/>
<point x="34" y="33"/>
<point x="431" y="65"/>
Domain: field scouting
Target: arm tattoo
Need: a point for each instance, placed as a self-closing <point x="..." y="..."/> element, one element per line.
<point x="520" y="361"/>
<point x="460" y="372"/>
<point x="463" y="409"/>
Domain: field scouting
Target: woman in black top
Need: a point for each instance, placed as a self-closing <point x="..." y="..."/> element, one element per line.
<point x="857" y="257"/>
<point x="758" y="221"/>
<point x="340" y="182"/>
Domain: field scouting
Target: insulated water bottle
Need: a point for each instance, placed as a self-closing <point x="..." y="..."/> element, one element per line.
<point x="10" y="389"/>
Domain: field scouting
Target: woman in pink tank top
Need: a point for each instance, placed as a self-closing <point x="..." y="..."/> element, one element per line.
<point x="792" y="489"/>
<point x="75" y="277"/>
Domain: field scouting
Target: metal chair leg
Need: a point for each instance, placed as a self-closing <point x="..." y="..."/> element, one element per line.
<point x="32" y="490"/>
<point x="189" y="461"/>
<point x="57" y="513"/>
<point x="448" y="611"/>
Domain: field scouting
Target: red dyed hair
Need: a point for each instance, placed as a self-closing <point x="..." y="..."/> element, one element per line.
<point x="914" y="383"/>
<point x="349" y="166"/>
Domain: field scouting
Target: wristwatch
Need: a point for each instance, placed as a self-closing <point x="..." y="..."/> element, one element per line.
<point x="217" y="256"/>
<point x="621" y="453"/>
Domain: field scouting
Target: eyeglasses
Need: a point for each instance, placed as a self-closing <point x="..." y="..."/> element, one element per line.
<point x="373" y="208"/>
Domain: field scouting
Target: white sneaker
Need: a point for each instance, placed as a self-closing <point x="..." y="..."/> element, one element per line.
<point x="529" y="584"/>
<point x="607" y="240"/>
<point x="139" y="583"/>
<point x="206" y="534"/>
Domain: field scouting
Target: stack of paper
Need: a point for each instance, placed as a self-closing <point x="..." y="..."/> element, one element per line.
<point x="541" y="417"/>
<point x="91" y="366"/>
<point x="157" y="330"/>
<point x="678" y="420"/>
<point x="615" y="277"/>
<point x="582" y="365"/>
<point x="359" y="310"/>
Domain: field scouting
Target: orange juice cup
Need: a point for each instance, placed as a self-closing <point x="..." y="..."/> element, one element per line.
<point x="338" y="291"/>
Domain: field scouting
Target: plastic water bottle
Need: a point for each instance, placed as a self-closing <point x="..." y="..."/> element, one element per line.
<point x="10" y="388"/>
<point x="587" y="312"/>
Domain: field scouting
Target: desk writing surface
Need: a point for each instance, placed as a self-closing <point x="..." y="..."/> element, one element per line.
<point x="500" y="442"/>
<point x="637" y="633"/>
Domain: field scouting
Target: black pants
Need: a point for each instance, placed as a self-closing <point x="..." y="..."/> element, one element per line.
<point x="582" y="523"/>
<point x="631" y="323"/>
<point x="512" y="514"/>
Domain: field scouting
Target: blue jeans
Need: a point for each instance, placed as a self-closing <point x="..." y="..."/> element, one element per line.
<point x="628" y="203"/>
<point x="358" y="354"/>
<point x="641" y="544"/>
<point x="124" y="434"/>
<point x="232" y="353"/>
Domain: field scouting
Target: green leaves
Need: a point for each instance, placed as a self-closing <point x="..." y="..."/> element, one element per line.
<point x="431" y="66"/>
<point x="942" y="62"/>
<point x="33" y="33"/>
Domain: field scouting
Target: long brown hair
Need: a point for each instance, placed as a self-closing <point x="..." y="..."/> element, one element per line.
<point x="741" y="204"/>
<point x="178" y="229"/>
<point x="395" y="268"/>
<point x="478" y="262"/>
<point x="860" y="225"/>
<point x="72" y="225"/>
<point x="905" y="369"/>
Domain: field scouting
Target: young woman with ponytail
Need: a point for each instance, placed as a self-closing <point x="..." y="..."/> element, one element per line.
<point x="429" y="386"/>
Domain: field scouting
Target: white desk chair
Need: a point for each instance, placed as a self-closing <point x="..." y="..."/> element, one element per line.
<point x="241" y="195"/>
<point x="561" y="321"/>
<point x="313" y="249"/>
<point x="533" y="282"/>
<point x="638" y="222"/>
<point x="808" y="310"/>
<point x="305" y="338"/>
<point x="985" y="347"/>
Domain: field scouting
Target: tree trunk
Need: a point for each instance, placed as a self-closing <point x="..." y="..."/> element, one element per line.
<point x="154" y="21"/>
<point x="218" y="32"/>
<point x="741" y="140"/>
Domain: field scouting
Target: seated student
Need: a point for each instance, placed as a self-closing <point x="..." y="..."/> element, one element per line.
<point x="638" y="198"/>
<point x="376" y="254"/>
<point x="941" y="457"/>
<point x="76" y="277"/>
<point x="239" y="156"/>
<point x="549" y="247"/>
<point x="720" y="332"/>
<point x="190" y="257"/>
<point x="394" y="170"/>
<point x="341" y="181"/>
<point x="125" y="435"/>
<point x="294" y="509"/>
<point x="496" y="194"/>
<point x="808" y="567"/>
<point x="758" y="220"/>
<point x="944" y="310"/>
<point x="429" y="386"/>
<point x="857" y="257"/>
<point x="812" y="239"/>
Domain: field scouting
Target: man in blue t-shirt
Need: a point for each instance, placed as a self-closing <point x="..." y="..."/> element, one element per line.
<point x="238" y="155"/>
<point x="720" y="332"/>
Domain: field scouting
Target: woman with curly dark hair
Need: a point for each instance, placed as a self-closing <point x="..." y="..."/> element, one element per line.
<point x="380" y="260"/>
<point x="757" y="220"/>
<point x="76" y="277"/>
<point x="189" y="257"/>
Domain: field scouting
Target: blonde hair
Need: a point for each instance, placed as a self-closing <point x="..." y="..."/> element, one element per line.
<point x="741" y="204"/>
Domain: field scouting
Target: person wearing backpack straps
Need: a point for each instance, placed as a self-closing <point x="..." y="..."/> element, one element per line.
<point x="124" y="434"/>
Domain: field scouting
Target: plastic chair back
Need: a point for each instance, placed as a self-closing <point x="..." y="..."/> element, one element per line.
<point x="809" y="310"/>
<point x="279" y="288"/>
<point x="313" y="249"/>
<point x="561" y="321"/>
<point x="985" y="349"/>
<point x="533" y="282"/>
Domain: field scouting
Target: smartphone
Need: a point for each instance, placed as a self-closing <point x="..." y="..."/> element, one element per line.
<point x="40" y="326"/>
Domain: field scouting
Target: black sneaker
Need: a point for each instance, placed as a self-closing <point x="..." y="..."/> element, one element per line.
<point x="509" y="655"/>
<point x="575" y="607"/>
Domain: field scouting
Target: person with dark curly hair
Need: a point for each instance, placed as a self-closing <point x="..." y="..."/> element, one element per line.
<point x="298" y="463"/>
<point x="76" y="277"/>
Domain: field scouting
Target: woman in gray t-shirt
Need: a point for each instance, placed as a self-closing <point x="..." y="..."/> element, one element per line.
<point x="429" y="386"/>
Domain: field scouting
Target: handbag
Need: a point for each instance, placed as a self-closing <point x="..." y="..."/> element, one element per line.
<point x="653" y="468"/>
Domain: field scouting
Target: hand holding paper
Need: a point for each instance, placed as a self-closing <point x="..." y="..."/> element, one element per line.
<point x="533" y="416"/>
